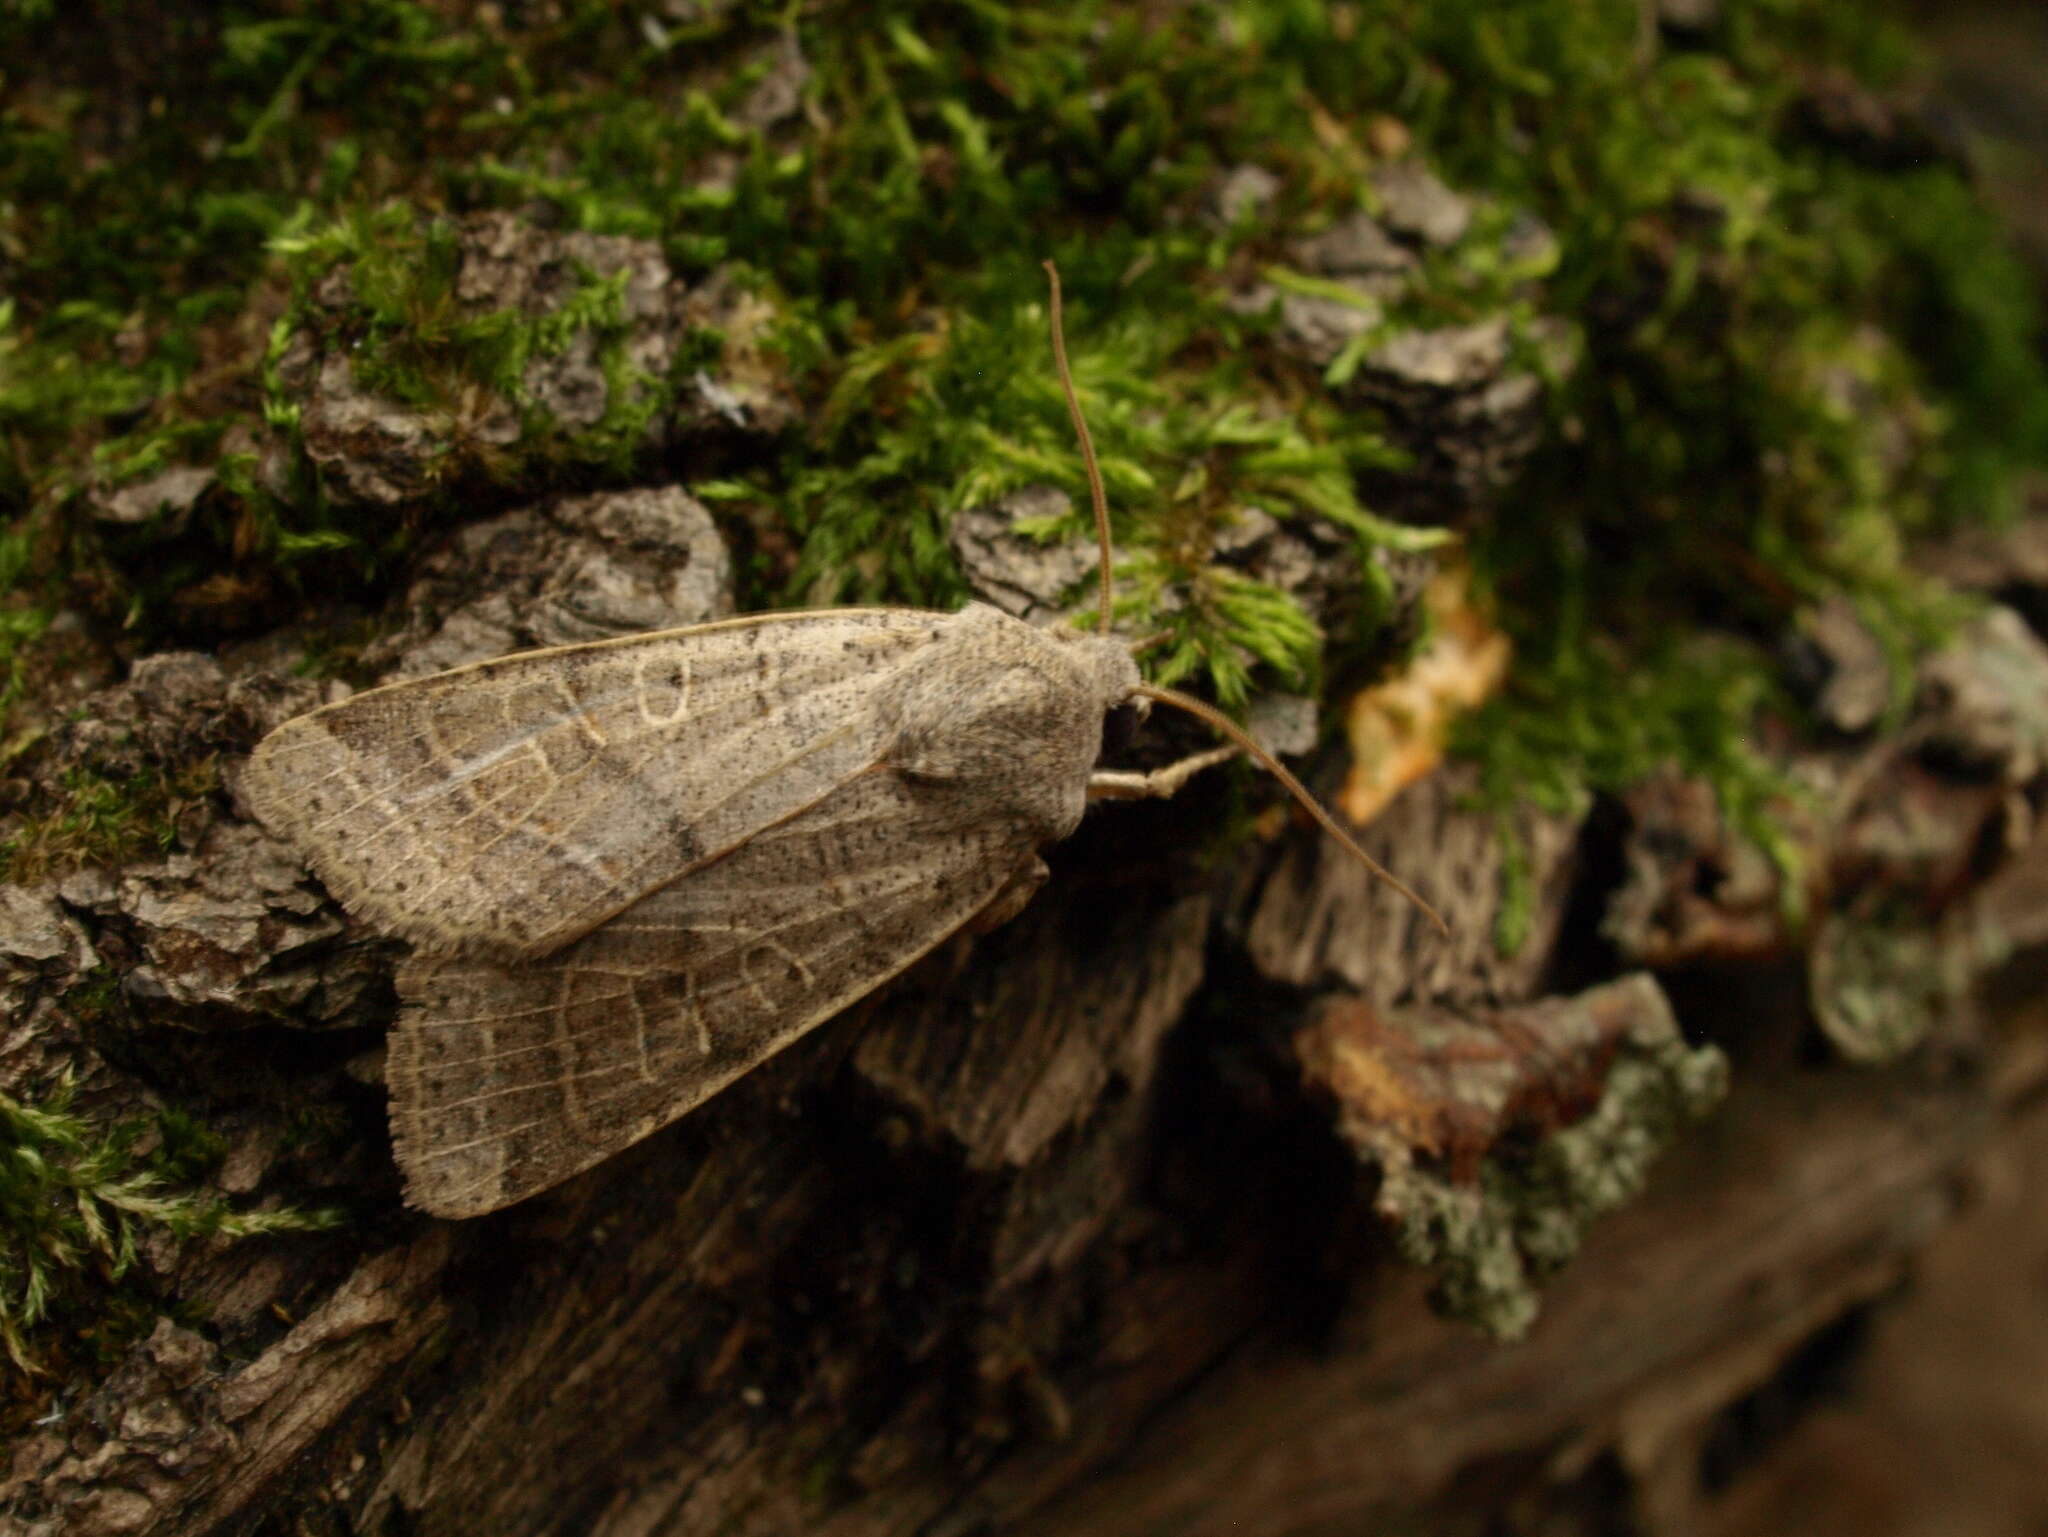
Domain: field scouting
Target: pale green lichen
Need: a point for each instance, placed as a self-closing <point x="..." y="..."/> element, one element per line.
<point x="1491" y="1243"/>
<point x="1880" y="982"/>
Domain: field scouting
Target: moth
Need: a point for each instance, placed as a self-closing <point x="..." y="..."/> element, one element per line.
<point x="633" y="869"/>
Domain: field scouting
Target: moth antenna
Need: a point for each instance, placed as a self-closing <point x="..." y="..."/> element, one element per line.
<point x="1227" y="727"/>
<point x="1216" y="719"/>
<point x="1151" y="642"/>
<point x="1101" y="499"/>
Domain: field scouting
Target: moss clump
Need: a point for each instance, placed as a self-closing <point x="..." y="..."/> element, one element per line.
<point x="1182" y="437"/>
<point x="1593" y="716"/>
<point x="101" y="818"/>
<point x="1795" y="358"/>
<point x="76" y="1198"/>
<point x="410" y="338"/>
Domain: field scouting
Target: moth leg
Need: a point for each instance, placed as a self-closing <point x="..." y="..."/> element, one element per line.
<point x="1160" y="784"/>
<point x="1011" y="897"/>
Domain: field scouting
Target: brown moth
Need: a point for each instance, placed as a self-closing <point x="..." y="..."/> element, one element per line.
<point x="632" y="870"/>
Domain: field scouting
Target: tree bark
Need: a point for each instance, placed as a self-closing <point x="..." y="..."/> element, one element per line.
<point x="1096" y="1223"/>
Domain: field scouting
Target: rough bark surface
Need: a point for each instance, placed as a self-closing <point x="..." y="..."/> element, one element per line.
<point x="1093" y="1224"/>
<point x="1141" y="1213"/>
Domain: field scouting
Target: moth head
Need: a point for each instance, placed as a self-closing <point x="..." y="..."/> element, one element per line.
<point x="1117" y="685"/>
<point x="1112" y="671"/>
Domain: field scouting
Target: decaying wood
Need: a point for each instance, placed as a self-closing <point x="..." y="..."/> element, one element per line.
<point x="1089" y="1224"/>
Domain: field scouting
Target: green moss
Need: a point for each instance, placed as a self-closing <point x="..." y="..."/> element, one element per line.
<point x="1792" y="360"/>
<point x="98" y="818"/>
<point x="1584" y="715"/>
<point x="76" y="1198"/>
<point x="928" y="423"/>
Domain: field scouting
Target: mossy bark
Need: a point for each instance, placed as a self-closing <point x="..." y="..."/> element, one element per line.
<point x="1145" y="1212"/>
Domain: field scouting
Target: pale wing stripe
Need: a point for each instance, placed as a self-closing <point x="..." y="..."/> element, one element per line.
<point x="438" y="789"/>
<point x="528" y="1088"/>
<point x="403" y="805"/>
<point x="450" y="1022"/>
<point x="711" y="859"/>
<point x="449" y="1149"/>
<point x="553" y="1045"/>
<point x="710" y="808"/>
<point x="407" y="803"/>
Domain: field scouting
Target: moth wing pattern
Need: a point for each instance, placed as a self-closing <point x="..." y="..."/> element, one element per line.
<point x="506" y="1079"/>
<point x="511" y="806"/>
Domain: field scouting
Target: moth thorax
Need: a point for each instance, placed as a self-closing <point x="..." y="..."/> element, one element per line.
<point x="966" y="716"/>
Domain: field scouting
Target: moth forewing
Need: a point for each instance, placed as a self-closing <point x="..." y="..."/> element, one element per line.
<point x="511" y="806"/>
